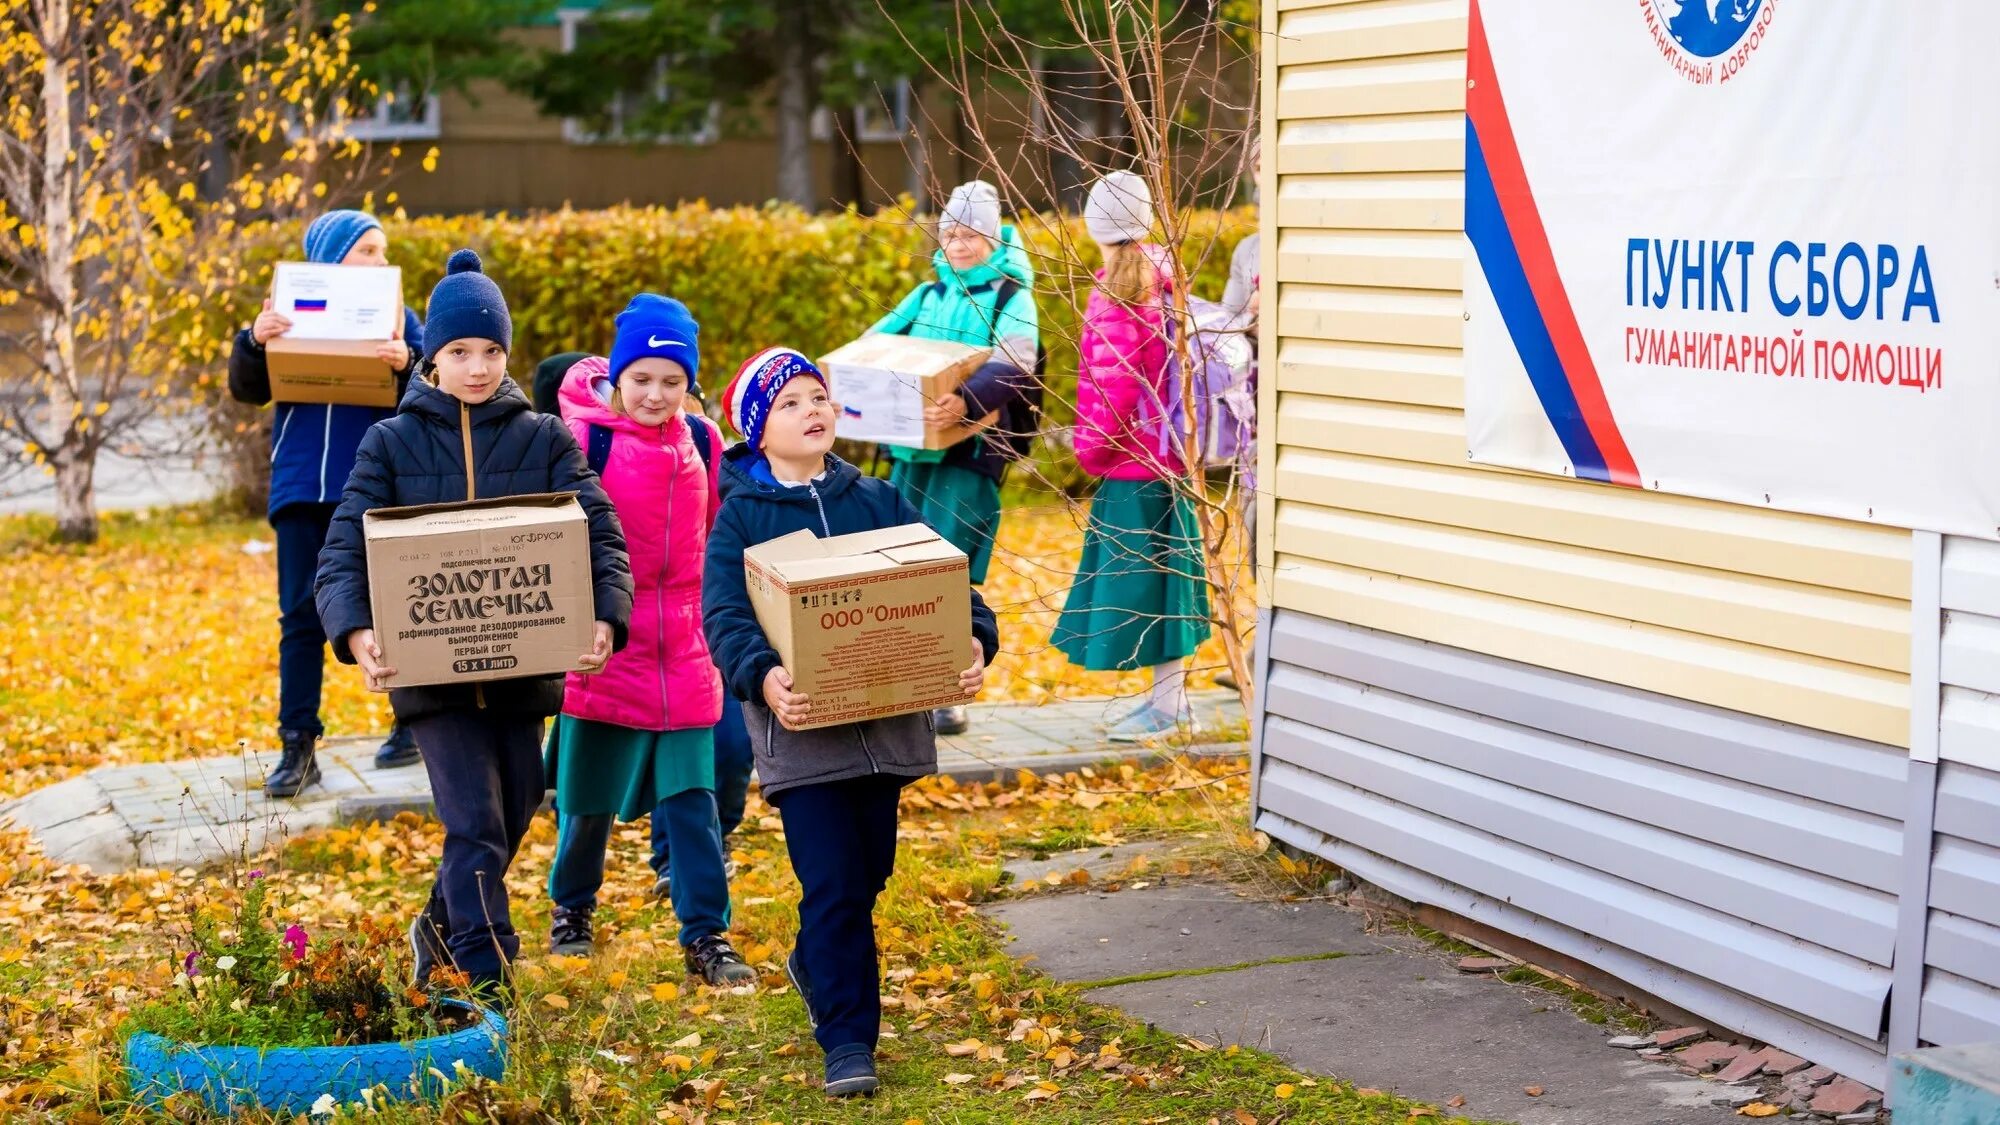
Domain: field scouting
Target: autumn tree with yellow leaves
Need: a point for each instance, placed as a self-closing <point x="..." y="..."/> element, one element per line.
<point x="137" y="137"/>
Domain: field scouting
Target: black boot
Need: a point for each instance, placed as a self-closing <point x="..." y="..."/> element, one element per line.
<point x="399" y="750"/>
<point x="428" y="951"/>
<point x="951" y="720"/>
<point x="297" y="766"/>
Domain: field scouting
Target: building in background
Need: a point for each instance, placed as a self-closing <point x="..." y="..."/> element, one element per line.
<point x="1743" y="761"/>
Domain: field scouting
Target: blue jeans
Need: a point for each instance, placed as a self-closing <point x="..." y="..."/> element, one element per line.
<point x="300" y="530"/>
<point x="700" y="889"/>
<point x="842" y="839"/>
<point x="732" y="782"/>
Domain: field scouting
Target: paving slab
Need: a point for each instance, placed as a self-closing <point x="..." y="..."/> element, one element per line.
<point x="175" y="814"/>
<point x="1090" y="936"/>
<point x="1397" y="1022"/>
<point x="1102" y="863"/>
<point x="1391" y="1012"/>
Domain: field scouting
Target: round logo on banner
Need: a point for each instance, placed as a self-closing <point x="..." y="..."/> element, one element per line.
<point x="1708" y="40"/>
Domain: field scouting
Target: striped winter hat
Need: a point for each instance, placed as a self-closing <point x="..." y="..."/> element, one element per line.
<point x="747" y="402"/>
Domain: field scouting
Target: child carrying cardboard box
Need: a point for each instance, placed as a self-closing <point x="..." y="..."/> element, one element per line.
<point x="836" y="787"/>
<point x="463" y="433"/>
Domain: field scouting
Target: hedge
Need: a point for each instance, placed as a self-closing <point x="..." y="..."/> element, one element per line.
<point x="753" y="278"/>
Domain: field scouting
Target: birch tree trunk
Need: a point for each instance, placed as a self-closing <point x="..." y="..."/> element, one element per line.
<point x="74" y="452"/>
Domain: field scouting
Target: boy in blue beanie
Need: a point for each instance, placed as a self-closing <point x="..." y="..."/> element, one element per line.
<point x="466" y="432"/>
<point x="312" y="451"/>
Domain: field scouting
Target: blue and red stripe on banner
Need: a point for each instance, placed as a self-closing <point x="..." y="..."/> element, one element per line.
<point x="1505" y="228"/>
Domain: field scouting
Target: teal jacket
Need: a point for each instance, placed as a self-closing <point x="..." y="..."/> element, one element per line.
<point x="960" y="307"/>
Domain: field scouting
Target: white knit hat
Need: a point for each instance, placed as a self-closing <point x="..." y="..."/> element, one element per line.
<point x="1120" y="209"/>
<point x="975" y="205"/>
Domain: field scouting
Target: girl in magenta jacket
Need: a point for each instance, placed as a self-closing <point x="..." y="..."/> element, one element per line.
<point x="639" y="738"/>
<point x="1140" y="599"/>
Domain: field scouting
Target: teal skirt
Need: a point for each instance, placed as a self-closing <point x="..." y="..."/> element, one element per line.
<point x="600" y="769"/>
<point x="960" y="504"/>
<point x="1141" y="595"/>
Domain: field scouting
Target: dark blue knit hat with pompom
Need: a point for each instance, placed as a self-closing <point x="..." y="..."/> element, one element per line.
<point x="466" y="304"/>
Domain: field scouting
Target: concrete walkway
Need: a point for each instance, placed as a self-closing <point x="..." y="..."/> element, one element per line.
<point x="1313" y="983"/>
<point x="186" y="813"/>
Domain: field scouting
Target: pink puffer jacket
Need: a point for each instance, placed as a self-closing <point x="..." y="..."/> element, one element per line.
<point x="1120" y="387"/>
<point x="666" y="498"/>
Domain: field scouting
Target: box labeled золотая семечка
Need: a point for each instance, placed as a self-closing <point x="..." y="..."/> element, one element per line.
<point x="481" y="590"/>
<point x="869" y="625"/>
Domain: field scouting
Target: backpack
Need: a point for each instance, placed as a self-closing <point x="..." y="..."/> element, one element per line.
<point x="1225" y="407"/>
<point x="599" y="453"/>
<point x="1022" y="418"/>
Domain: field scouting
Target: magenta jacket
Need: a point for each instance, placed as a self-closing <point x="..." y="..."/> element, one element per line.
<point x="1120" y="388"/>
<point x="666" y="499"/>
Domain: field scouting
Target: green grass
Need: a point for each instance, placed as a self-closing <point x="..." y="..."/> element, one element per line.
<point x="593" y="1041"/>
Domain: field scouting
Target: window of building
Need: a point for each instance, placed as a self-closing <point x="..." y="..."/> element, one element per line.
<point x="885" y="117"/>
<point x="627" y="105"/>
<point x="399" y="115"/>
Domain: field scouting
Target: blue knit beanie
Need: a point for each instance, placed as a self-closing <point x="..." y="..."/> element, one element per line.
<point x="466" y="304"/>
<point x="653" y="325"/>
<point x="332" y="235"/>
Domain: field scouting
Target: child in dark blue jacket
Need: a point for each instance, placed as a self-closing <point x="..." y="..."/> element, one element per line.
<point x="836" y="788"/>
<point x="467" y="432"/>
<point x="312" y="451"/>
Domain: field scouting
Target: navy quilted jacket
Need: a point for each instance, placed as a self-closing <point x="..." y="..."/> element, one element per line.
<point x="418" y="457"/>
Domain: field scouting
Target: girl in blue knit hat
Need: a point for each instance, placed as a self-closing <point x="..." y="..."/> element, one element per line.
<point x="312" y="451"/>
<point x="466" y="432"/>
<point x="639" y="739"/>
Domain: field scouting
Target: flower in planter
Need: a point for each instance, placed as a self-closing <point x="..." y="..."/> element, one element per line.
<point x="188" y="963"/>
<point x="295" y="936"/>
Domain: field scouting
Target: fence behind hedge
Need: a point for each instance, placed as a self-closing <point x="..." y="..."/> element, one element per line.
<point x="753" y="278"/>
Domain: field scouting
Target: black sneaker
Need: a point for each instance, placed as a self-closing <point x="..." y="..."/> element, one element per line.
<point x="399" y="750"/>
<point x="716" y="961"/>
<point x="951" y="720"/>
<point x="297" y="766"/>
<point x="850" y="1072"/>
<point x="663" y="888"/>
<point x="796" y="973"/>
<point x="569" y="932"/>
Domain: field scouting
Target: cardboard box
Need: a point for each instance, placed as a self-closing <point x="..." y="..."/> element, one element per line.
<point x="482" y="589"/>
<point x="870" y="625"/>
<point x="882" y="383"/>
<point x="339" y="315"/>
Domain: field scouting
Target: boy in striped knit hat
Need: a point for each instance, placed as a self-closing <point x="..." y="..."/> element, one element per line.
<point x="836" y="788"/>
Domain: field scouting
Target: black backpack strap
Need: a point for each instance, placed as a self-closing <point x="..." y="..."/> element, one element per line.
<point x="599" y="453"/>
<point x="703" y="442"/>
<point x="935" y="290"/>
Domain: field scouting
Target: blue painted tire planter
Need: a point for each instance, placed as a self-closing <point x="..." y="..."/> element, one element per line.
<point x="293" y="1078"/>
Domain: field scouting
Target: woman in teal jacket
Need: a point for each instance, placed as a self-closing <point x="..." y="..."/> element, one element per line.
<point x="983" y="296"/>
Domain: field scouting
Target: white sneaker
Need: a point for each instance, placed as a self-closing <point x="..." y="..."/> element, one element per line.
<point x="1149" y="723"/>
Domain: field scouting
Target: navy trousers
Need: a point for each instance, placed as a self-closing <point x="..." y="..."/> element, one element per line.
<point x="700" y="888"/>
<point x="300" y="530"/>
<point x="732" y="785"/>
<point x="842" y="839"/>
<point x="486" y="779"/>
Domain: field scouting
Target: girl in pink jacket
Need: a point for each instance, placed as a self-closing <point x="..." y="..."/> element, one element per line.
<point x="638" y="739"/>
<point x="1140" y="599"/>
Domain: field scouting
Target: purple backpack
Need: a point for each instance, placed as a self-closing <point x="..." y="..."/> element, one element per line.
<point x="1225" y="404"/>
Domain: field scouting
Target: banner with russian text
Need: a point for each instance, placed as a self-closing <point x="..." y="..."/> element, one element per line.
<point x="1739" y="249"/>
